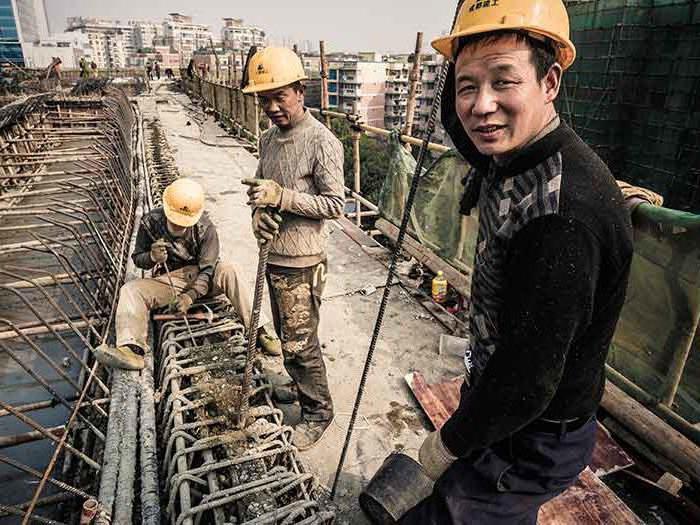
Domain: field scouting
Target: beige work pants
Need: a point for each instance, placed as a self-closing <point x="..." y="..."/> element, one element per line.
<point x="138" y="297"/>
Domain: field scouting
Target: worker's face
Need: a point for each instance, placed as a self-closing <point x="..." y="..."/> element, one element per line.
<point x="175" y="230"/>
<point x="284" y="106"/>
<point x="499" y="100"/>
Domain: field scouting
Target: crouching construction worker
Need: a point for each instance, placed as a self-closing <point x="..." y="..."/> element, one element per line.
<point x="180" y="239"/>
<point x="298" y="184"/>
<point x="550" y="272"/>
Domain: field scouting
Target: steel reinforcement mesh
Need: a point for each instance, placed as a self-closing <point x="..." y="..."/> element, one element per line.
<point x="213" y="471"/>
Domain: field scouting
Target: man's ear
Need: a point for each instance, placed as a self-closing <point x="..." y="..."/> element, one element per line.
<point x="552" y="82"/>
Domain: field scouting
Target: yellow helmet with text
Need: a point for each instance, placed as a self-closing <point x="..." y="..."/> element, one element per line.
<point x="540" y="18"/>
<point x="273" y="68"/>
<point x="183" y="202"/>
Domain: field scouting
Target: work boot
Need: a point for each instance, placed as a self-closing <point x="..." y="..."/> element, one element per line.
<point x="308" y="433"/>
<point x="119" y="357"/>
<point x="269" y="341"/>
<point x="285" y="394"/>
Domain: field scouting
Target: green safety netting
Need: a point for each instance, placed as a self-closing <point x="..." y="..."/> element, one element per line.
<point x="663" y="299"/>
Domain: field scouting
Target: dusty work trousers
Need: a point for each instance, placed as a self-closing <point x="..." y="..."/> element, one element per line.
<point x="295" y="297"/>
<point x="138" y="297"/>
<point x="507" y="483"/>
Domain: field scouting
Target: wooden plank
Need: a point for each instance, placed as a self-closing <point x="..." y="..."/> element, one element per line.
<point x="589" y="500"/>
<point x="458" y="280"/>
<point x="608" y="456"/>
<point x="443" y="398"/>
<point x="355" y="233"/>
<point x="432" y="406"/>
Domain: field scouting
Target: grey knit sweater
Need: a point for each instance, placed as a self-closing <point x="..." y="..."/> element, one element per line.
<point x="307" y="161"/>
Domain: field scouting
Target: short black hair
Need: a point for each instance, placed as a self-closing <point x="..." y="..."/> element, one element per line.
<point x="298" y="86"/>
<point x="544" y="54"/>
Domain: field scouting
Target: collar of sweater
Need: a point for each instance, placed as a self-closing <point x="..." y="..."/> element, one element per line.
<point x="298" y="128"/>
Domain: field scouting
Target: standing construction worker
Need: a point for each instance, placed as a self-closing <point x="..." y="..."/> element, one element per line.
<point x="180" y="244"/>
<point x="298" y="185"/>
<point x="157" y="70"/>
<point x="550" y="272"/>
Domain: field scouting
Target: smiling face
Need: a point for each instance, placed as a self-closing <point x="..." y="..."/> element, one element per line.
<point x="284" y="106"/>
<point x="499" y="100"/>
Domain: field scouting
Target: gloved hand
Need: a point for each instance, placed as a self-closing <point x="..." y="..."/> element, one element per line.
<point x="159" y="254"/>
<point x="263" y="192"/>
<point x="184" y="301"/>
<point x="266" y="224"/>
<point x="434" y="456"/>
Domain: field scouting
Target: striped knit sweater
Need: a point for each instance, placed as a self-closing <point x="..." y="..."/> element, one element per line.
<point x="307" y="161"/>
<point x="550" y="272"/>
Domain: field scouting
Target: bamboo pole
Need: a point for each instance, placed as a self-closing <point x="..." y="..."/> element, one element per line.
<point x="383" y="132"/>
<point x="356" y="134"/>
<point x="677" y="367"/>
<point x="651" y="430"/>
<point x="414" y="78"/>
<point x="324" y="84"/>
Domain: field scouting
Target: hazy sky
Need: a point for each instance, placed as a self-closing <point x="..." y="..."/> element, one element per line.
<point x="347" y="25"/>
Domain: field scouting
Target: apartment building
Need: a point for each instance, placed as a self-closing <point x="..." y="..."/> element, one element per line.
<point x="184" y="36"/>
<point x="235" y="35"/>
<point x="111" y="42"/>
<point x="356" y="83"/>
<point x="147" y="34"/>
<point x="398" y="70"/>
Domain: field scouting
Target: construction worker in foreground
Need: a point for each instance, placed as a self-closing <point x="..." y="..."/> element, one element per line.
<point x="298" y="185"/>
<point x="177" y="239"/>
<point x="550" y="272"/>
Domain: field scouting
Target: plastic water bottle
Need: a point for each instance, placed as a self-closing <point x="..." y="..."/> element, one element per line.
<point x="439" y="288"/>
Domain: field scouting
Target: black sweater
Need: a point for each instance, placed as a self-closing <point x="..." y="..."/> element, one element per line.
<point x="551" y="272"/>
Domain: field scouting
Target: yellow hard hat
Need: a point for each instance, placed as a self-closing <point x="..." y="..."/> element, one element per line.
<point x="272" y="68"/>
<point x="546" y="18"/>
<point x="183" y="202"/>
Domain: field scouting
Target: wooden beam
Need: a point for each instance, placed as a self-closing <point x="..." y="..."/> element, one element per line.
<point x="458" y="280"/>
<point x="652" y="430"/>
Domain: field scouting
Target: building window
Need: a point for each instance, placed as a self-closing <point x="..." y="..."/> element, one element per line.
<point x="333" y="74"/>
<point x="332" y="100"/>
<point x="333" y="88"/>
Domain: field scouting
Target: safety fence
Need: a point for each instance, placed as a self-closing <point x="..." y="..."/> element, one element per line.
<point x="633" y="93"/>
<point x="67" y="199"/>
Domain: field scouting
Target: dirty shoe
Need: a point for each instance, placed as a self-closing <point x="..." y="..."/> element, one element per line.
<point x="119" y="357"/>
<point x="285" y="394"/>
<point x="308" y="433"/>
<point x="268" y="340"/>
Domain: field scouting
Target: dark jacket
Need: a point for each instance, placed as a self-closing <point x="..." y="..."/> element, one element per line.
<point x="198" y="247"/>
<point x="550" y="273"/>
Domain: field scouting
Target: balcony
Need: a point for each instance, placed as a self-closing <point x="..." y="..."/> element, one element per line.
<point x="349" y="93"/>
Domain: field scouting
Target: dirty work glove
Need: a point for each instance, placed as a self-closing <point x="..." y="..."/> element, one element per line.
<point x="263" y="192"/>
<point x="184" y="301"/>
<point x="159" y="253"/>
<point x="266" y="224"/>
<point x="434" y="456"/>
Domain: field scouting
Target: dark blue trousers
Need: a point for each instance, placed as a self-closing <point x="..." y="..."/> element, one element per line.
<point x="508" y="482"/>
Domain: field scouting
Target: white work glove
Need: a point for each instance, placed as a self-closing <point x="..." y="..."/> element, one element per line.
<point x="263" y="192"/>
<point x="183" y="303"/>
<point x="159" y="253"/>
<point x="266" y="224"/>
<point x="434" y="456"/>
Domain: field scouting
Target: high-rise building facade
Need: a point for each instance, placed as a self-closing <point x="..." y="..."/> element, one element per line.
<point x="356" y="83"/>
<point x="22" y="22"/>
<point x="184" y="36"/>
<point x="111" y="41"/>
<point x="235" y="35"/>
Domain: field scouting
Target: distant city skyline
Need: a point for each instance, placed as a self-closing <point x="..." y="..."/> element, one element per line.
<point x="361" y="25"/>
